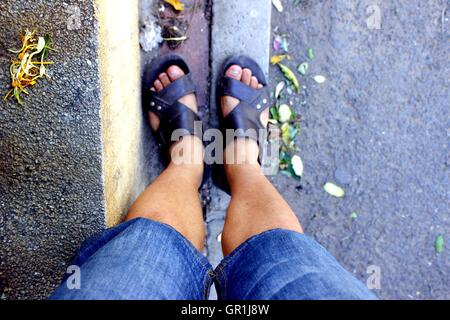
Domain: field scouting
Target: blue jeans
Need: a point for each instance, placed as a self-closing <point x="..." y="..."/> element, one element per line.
<point x="144" y="259"/>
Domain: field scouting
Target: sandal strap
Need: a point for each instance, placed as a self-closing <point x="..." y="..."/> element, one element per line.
<point x="239" y="90"/>
<point x="173" y="115"/>
<point x="176" y="90"/>
<point x="182" y="122"/>
<point x="245" y="118"/>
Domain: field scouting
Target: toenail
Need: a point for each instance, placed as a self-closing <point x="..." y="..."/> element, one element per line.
<point x="235" y="72"/>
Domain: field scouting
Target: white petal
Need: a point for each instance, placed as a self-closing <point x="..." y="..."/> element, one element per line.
<point x="278" y="5"/>
<point x="334" y="190"/>
<point x="279" y="88"/>
<point x="42" y="70"/>
<point x="320" y="79"/>
<point x="297" y="165"/>
<point x="40" y="44"/>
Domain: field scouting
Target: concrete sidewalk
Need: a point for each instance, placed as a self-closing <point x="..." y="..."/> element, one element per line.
<point x="70" y="156"/>
<point x="51" y="177"/>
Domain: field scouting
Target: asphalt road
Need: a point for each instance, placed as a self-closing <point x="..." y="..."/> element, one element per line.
<point x="379" y="128"/>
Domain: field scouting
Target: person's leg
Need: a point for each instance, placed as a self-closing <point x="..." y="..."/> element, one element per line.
<point x="173" y="197"/>
<point x="267" y="254"/>
<point x="256" y="206"/>
<point x="152" y="254"/>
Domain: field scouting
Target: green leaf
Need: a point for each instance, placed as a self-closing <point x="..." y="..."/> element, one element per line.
<point x="303" y="68"/>
<point x="285" y="134"/>
<point x="285" y="157"/>
<point x="439" y="244"/>
<point x="289" y="171"/>
<point x="334" y="190"/>
<point x="310" y="53"/>
<point x="274" y="113"/>
<point x="284" y="43"/>
<point x="290" y="76"/>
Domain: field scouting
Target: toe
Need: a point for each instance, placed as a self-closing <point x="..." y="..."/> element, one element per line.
<point x="175" y="73"/>
<point x="246" y="76"/>
<point x="164" y="78"/>
<point x="158" y="86"/>
<point x="234" y="72"/>
<point x="254" y="83"/>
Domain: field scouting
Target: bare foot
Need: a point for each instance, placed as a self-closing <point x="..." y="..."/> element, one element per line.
<point x="189" y="149"/>
<point x="246" y="150"/>
<point x="164" y="79"/>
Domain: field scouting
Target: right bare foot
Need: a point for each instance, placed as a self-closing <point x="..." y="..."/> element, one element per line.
<point x="166" y="78"/>
<point x="189" y="149"/>
<point x="242" y="148"/>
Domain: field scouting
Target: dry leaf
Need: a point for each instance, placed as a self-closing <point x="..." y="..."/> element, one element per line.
<point x="176" y="4"/>
<point x="28" y="67"/>
<point x="278" y="58"/>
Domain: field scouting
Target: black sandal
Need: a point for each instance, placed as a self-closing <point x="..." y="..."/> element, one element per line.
<point x="247" y="114"/>
<point x="172" y="114"/>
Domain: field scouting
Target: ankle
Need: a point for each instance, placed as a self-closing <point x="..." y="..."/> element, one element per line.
<point x="188" y="150"/>
<point x="240" y="174"/>
<point x="241" y="151"/>
<point x="187" y="154"/>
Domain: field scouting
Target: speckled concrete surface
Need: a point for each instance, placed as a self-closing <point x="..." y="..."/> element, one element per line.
<point x="51" y="195"/>
<point x="379" y="127"/>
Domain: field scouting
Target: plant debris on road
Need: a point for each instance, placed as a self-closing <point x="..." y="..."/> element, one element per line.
<point x="29" y="65"/>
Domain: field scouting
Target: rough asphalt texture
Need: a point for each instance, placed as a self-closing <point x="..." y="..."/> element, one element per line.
<point x="378" y="127"/>
<point x="51" y="195"/>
